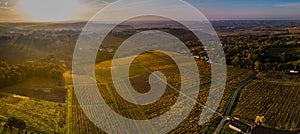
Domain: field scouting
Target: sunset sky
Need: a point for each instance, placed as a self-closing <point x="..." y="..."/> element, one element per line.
<point x="61" y="10"/>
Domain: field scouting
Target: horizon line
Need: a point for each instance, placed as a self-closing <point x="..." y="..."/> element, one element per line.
<point x="77" y="21"/>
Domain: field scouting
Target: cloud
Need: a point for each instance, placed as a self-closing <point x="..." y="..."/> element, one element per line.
<point x="290" y="4"/>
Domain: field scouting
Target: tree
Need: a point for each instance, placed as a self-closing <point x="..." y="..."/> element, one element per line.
<point x="257" y="65"/>
<point x="236" y="61"/>
<point x="280" y="66"/>
<point x="290" y="66"/>
<point x="20" y="124"/>
<point x="260" y="120"/>
<point x="297" y="67"/>
<point x="13" y="122"/>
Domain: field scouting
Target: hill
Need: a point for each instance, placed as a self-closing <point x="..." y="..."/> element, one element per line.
<point x="139" y="74"/>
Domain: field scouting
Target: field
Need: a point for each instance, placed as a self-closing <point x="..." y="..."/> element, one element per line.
<point x="277" y="101"/>
<point x="139" y="73"/>
<point x="50" y="105"/>
<point x="39" y="101"/>
<point x="56" y="42"/>
<point x="144" y="63"/>
<point x="39" y="115"/>
<point x="39" y="88"/>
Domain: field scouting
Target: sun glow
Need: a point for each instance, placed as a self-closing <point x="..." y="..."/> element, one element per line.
<point x="50" y="10"/>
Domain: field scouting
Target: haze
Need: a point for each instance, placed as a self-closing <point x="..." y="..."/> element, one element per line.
<point x="62" y="10"/>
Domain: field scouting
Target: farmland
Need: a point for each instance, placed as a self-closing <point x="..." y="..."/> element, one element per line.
<point x="33" y="58"/>
<point x="39" y="115"/>
<point x="39" y="88"/>
<point x="78" y="122"/>
<point x="39" y="101"/>
<point x="277" y="101"/>
<point x="81" y="124"/>
<point x="139" y="73"/>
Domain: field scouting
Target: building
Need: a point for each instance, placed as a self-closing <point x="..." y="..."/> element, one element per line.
<point x="239" y="126"/>
<point x="292" y="72"/>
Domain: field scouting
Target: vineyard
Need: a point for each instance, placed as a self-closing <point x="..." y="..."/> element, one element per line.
<point x="81" y="123"/>
<point x="38" y="101"/>
<point x="278" y="103"/>
<point x="39" y="115"/>
<point x="139" y="77"/>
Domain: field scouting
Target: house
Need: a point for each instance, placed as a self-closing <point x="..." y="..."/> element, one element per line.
<point x="239" y="126"/>
<point x="293" y="72"/>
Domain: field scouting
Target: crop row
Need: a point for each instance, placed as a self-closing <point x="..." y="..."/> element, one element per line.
<point x="278" y="103"/>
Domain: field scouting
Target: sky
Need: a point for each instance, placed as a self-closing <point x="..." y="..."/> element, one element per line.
<point x="249" y="9"/>
<point x="61" y="10"/>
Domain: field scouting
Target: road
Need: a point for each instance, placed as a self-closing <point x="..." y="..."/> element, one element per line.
<point x="232" y="102"/>
<point x="68" y="85"/>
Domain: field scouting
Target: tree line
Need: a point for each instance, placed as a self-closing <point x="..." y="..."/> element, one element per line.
<point x="13" y="122"/>
<point x="252" y="51"/>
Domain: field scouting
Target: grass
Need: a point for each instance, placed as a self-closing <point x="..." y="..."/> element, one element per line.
<point x="39" y="88"/>
<point x="39" y="115"/>
<point x="103" y="70"/>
